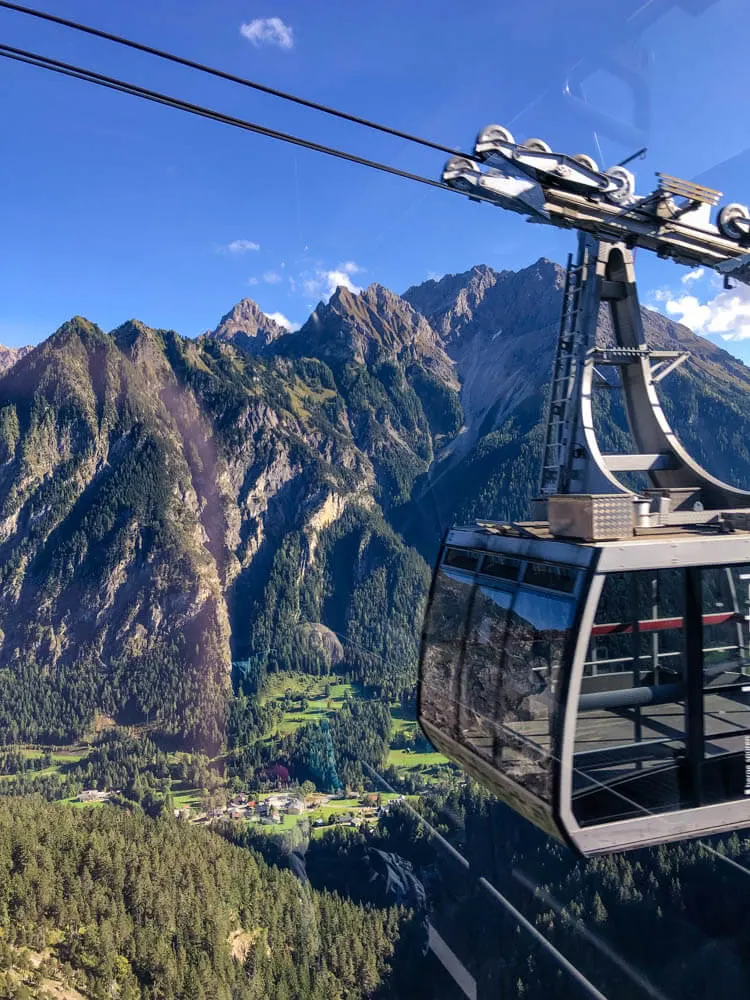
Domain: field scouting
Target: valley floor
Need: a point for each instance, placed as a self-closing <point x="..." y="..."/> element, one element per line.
<point x="301" y="699"/>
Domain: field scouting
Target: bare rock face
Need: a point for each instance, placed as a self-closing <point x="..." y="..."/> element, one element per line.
<point x="397" y="386"/>
<point x="487" y="302"/>
<point x="374" y="326"/>
<point x="9" y="356"/>
<point x="499" y="329"/>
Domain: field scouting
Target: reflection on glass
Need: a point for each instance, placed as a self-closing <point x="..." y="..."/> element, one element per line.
<point x="481" y="672"/>
<point x="445" y="628"/>
<point x="501" y="566"/>
<point x="461" y="559"/>
<point x="537" y="630"/>
<point x="497" y="650"/>
<point x="562" y="578"/>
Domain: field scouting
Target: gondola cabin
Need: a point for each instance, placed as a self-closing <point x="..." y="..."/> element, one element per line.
<point x="601" y="689"/>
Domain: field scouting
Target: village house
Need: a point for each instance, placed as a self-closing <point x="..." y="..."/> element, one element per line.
<point x="92" y="795"/>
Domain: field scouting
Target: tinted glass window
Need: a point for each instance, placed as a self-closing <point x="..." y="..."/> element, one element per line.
<point x="631" y="748"/>
<point x="538" y="626"/>
<point x="444" y="629"/>
<point x="501" y="566"/>
<point x="726" y="601"/>
<point x="562" y="578"/>
<point x="482" y="665"/>
<point x="725" y="593"/>
<point x="461" y="559"/>
<point x="632" y="733"/>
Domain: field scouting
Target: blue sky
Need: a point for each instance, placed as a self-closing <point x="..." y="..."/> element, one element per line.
<point x="115" y="209"/>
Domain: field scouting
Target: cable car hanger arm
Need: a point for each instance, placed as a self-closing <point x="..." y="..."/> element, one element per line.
<point x="566" y="191"/>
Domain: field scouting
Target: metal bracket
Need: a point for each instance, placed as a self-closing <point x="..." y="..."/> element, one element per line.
<point x="661" y="368"/>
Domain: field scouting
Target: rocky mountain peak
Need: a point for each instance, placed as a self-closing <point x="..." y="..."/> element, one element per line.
<point x="156" y="487"/>
<point x="375" y="324"/>
<point x="248" y="327"/>
<point x="461" y="305"/>
<point x="144" y="347"/>
<point x="129" y="333"/>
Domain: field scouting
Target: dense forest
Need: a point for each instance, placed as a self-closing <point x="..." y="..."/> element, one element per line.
<point x="118" y="904"/>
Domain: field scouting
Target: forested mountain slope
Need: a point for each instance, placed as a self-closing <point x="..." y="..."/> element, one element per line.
<point x="169" y="506"/>
<point x="120" y="905"/>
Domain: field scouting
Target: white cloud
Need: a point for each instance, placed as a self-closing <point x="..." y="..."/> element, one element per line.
<point x="281" y="319"/>
<point x="269" y="30"/>
<point x="350" y="267"/>
<point x="688" y="310"/>
<point x="324" y="283"/>
<point x="695" y="275"/>
<point x="252" y="281"/>
<point x="335" y="278"/>
<point x="272" y="277"/>
<point x="727" y="315"/>
<point x="242" y="246"/>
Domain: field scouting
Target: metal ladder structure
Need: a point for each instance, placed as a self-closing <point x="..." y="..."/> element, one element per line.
<point x="560" y="407"/>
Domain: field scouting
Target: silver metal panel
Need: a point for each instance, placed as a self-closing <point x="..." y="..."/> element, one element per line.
<point x="688" y="550"/>
<point x="639" y="463"/>
<point x="567" y="743"/>
<point x="591" y="517"/>
<point x="547" y="550"/>
<point x="652" y="829"/>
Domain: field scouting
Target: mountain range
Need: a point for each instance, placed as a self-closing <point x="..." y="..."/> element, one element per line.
<point x="177" y="513"/>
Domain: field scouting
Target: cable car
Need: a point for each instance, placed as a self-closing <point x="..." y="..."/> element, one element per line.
<point x="601" y="689"/>
<point x="592" y="667"/>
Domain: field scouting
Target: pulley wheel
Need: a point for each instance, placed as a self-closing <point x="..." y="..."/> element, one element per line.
<point x="586" y="161"/>
<point x="537" y="146"/>
<point x="493" y="133"/>
<point x="727" y="221"/>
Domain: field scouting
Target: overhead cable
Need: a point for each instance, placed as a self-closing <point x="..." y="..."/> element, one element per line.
<point x="111" y="83"/>
<point x="231" y="77"/>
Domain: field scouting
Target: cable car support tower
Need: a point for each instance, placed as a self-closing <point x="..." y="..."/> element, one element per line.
<point x="580" y="489"/>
